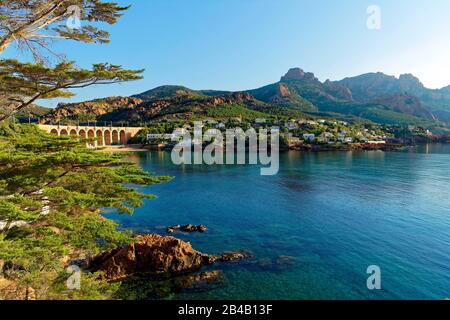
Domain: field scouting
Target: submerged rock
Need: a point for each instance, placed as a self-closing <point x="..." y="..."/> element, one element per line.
<point x="233" y="256"/>
<point x="200" y="281"/>
<point x="152" y="255"/>
<point x="140" y="288"/>
<point x="285" y="260"/>
<point x="187" y="228"/>
<point x="279" y="263"/>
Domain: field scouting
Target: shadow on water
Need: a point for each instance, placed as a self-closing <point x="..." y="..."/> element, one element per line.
<point x="204" y="281"/>
<point x="142" y="288"/>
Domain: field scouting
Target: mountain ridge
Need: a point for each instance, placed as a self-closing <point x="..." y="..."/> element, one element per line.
<point x="372" y="96"/>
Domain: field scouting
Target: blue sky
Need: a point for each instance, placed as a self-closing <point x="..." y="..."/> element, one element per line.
<point x="243" y="44"/>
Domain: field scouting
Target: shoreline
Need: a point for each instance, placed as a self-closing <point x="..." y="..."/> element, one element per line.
<point x="126" y="148"/>
<point x="305" y="147"/>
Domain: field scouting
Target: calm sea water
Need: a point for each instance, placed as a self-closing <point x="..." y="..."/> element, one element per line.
<point x="332" y="213"/>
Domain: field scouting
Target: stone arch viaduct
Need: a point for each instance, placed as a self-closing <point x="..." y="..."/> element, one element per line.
<point x="104" y="136"/>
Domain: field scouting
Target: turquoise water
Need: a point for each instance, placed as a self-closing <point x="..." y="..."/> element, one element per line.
<point x="333" y="213"/>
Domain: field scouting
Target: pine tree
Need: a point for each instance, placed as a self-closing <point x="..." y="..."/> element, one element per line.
<point x="21" y="84"/>
<point x="31" y="24"/>
<point x="51" y="189"/>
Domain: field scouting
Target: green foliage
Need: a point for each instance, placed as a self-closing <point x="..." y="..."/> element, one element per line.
<point x="31" y="112"/>
<point x="233" y="111"/>
<point x="39" y="170"/>
<point x="51" y="188"/>
<point x="291" y="100"/>
<point x="168" y="92"/>
<point x="33" y="23"/>
<point x="88" y="231"/>
<point x="24" y="83"/>
<point x="390" y="117"/>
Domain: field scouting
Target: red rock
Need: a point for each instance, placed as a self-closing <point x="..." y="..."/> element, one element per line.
<point x="153" y="255"/>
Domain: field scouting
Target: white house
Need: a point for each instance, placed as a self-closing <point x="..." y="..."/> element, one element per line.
<point x="154" y="136"/>
<point x="325" y="137"/>
<point x="180" y="131"/>
<point x="168" y="136"/>
<point x="348" y="140"/>
<point x="291" y="125"/>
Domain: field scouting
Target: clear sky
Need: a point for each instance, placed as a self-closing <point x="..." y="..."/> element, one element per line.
<point x="244" y="44"/>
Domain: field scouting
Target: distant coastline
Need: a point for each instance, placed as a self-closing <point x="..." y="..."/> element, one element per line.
<point x="304" y="148"/>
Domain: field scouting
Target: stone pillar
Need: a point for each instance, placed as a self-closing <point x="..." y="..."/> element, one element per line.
<point x="103" y="137"/>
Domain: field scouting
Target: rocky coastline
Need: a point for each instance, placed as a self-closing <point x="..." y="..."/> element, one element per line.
<point x="156" y="257"/>
<point x="346" y="147"/>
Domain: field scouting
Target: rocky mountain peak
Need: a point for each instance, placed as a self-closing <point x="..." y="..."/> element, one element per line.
<point x="298" y="74"/>
<point x="293" y="74"/>
<point x="409" y="81"/>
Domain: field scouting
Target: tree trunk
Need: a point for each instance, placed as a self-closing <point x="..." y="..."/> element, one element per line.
<point x="5" y="43"/>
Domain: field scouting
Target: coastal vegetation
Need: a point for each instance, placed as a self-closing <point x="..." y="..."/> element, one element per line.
<point x="53" y="188"/>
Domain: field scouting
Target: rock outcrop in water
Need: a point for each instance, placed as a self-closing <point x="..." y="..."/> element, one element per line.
<point x="157" y="256"/>
<point x="187" y="228"/>
<point x="233" y="256"/>
<point x="152" y="255"/>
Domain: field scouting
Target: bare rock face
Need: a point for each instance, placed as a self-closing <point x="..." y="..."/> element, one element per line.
<point x="298" y="74"/>
<point x="11" y="290"/>
<point x="293" y="74"/>
<point x="406" y="103"/>
<point x="337" y="90"/>
<point x="151" y="255"/>
<point x="283" y="90"/>
<point x="94" y="108"/>
<point x="235" y="97"/>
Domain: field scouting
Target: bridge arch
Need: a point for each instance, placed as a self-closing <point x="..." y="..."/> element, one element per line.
<point x="91" y="134"/>
<point x="123" y="137"/>
<point x="107" y="134"/>
<point x="99" y="135"/>
<point x="115" y="137"/>
<point x="82" y="133"/>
